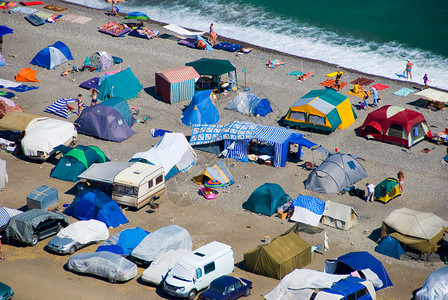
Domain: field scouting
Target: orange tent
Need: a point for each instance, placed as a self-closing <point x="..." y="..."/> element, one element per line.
<point x="27" y="75"/>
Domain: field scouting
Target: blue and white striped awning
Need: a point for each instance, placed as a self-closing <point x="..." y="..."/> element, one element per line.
<point x="272" y="135"/>
<point x="59" y="107"/>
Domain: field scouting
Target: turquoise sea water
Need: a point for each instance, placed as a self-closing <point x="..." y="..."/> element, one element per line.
<point x="375" y="37"/>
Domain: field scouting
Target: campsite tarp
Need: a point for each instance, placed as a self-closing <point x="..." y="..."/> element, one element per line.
<point x="201" y="109"/>
<point x="417" y="230"/>
<point x="435" y="287"/>
<point x="123" y="85"/>
<point x="217" y="172"/>
<point x="156" y="272"/>
<point x="171" y="151"/>
<point x="124" y="241"/>
<point x="278" y="258"/>
<point x="76" y="161"/>
<point x="248" y="103"/>
<point x="360" y="261"/>
<point x="390" y="246"/>
<point x="6" y="214"/>
<point x="339" y="215"/>
<point x="335" y="173"/>
<point x="433" y="94"/>
<point x="182" y="31"/>
<point x="7" y="106"/>
<point x="266" y="199"/>
<point x="386" y="190"/>
<point x="321" y="109"/>
<point x="396" y="125"/>
<point x="52" y="56"/>
<point x="176" y="85"/>
<point x="172" y="237"/>
<point x="94" y="204"/>
<point x="307" y="210"/>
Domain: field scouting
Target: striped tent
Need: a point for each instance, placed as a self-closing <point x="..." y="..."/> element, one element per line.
<point x="176" y="85"/>
<point x="59" y="108"/>
<point x="321" y="109"/>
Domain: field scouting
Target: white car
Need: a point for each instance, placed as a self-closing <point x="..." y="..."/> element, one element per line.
<point x="78" y="235"/>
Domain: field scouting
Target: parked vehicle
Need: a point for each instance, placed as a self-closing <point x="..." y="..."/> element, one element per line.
<point x="78" y="235"/>
<point x="227" y="288"/>
<point x="6" y="292"/>
<point x="195" y="271"/>
<point x="34" y="225"/>
<point x="350" y="288"/>
<point x="105" y="264"/>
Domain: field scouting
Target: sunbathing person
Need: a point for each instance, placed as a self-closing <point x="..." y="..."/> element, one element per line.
<point x="274" y="62"/>
<point x="147" y="32"/>
<point x="246" y="50"/>
<point x="119" y="27"/>
<point x="108" y="26"/>
<point x="305" y="76"/>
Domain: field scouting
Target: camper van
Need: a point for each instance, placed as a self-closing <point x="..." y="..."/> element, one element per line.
<point x="138" y="184"/>
<point x="195" y="271"/>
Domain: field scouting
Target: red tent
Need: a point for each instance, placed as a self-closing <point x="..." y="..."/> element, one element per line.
<point x="396" y="125"/>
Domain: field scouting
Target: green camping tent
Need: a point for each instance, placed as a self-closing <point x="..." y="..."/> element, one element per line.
<point x="280" y="257"/>
<point x="386" y="190"/>
<point x="266" y="199"/>
<point x="213" y="67"/>
<point x="76" y="161"/>
<point x="123" y="85"/>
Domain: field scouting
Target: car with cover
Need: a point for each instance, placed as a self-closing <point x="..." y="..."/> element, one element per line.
<point x="227" y="288"/>
<point x="78" y="235"/>
<point x="34" y="225"/>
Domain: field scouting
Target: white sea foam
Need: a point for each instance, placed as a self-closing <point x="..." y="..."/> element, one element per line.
<point x="259" y="27"/>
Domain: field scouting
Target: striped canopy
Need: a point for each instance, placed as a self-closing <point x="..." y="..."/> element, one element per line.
<point x="59" y="108"/>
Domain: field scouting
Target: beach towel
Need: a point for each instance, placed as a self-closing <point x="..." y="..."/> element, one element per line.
<point x="145" y="33"/>
<point x="295" y="73"/>
<point x="189" y="42"/>
<point x="32" y="3"/>
<point x="403" y="92"/>
<point x="228" y="47"/>
<point x="55" y="8"/>
<point x="362" y="81"/>
<point x="332" y="74"/>
<point x="24" y="10"/>
<point x="112" y="28"/>
<point x="379" y="86"/>
<point x="35" y="20"/>
<point x="7" y="83"/>
<point x="330" y="83"/>
<point x="92" y="83"/>
<point x="7" y="94"/>
<point x="43" y="15"/>
<point x="360" y="94"/>
<point x="23" y="88"/>
<point x="69" y="17"/>
<point x="81" y="20"/>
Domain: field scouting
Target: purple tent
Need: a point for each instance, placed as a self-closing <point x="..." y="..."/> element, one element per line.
<point x="103" y="122"/>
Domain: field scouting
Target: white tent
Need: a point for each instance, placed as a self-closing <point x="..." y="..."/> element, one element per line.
<point x="156" y="272"/>
<point x="339" y="216"/>
<point x="172" y="150"/>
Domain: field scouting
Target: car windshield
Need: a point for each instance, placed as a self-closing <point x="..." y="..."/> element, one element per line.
<point x="217" y="289"/>
<point x="183" y="279"/>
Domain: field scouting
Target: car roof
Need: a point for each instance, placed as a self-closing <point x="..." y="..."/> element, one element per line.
<point x="225" y="280"/>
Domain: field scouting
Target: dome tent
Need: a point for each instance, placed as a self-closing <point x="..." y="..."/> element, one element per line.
<point x="266" y="199"/>
<point x="52" y="56"/>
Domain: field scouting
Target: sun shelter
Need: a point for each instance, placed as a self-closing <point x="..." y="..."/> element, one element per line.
<point x="390" y="246"/>
<point x="307" y="210"/>
<point x="433" y="95"/>
<point x="278" y="258"/>
<point x="420" y="231"/>
<point x="217" y="176"/>
<point x="52" y="56"/>
<point x="7" y="106"/>
<point x="201" y="109"/>
<point x="172" y="152"/>
<point x="248" y="103"/>
<point x="94" y="204"/>
<point x="266" y="199"/>
<point x="237" y="136"/>
<point x="387" y="190"/>
<point x="77" y="160"/>
<point x="335" y="173"/>
<point x="395" y="125"/>
<point x="321" y="109"/>
<point x="105" y="122"/>
<point x="372" y="269"/>
<point x="123" y="85"/>
<point x="104" y="172"/>
<point x="215" y="68"/>
<point x="339" y="216"/>
<point x="27" y="75"/>
<point x="100" y="61"/>
<point x="60" y="107"/>
<point x="176" y="85"/>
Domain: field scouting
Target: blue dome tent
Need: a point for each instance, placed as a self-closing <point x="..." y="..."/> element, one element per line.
<point x="201" y="110"/>
<point x="52" y="56"/>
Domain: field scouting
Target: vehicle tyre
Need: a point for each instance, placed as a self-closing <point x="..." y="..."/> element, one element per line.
<point x="34" y="239"/>
<point x="247" y="294"/>
<point x="192" y="295"/>
<point x="72" y="250"/>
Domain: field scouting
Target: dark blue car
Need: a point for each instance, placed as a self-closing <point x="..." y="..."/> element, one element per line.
<point x="227" y="288"/>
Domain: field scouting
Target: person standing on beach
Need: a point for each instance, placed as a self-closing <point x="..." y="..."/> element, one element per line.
<point x="408" y="69"/>
<point x="425" y="80"/>
<point x="370" y="192"/>
<point x="79" y="101"/>
<point x="375" y="96"/>
<point x="400" y="177"/>
<point x="94" y="96"/>
<point x="114" y="8"/>
<point x="337" y="82"/>
<point x="213" y="36"/>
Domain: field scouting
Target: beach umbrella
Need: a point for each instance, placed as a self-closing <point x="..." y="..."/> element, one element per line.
<point x="214" y="184"/>
<point x="4" y="30"/>
<point x="137" y="16"/>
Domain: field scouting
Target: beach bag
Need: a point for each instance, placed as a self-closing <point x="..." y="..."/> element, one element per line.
<point x="363" y="105"/>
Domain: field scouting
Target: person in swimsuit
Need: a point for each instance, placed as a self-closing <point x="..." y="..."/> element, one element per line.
<point x="213" y="36"/>
<point x="408" y="70"/>
<point x="114" y="8"/>
<point x="337" y="82"/>
<point x="94" y="96"/>
<point x="79" y="101"/>
<point x="425" y="80"/>
<point x="400" y="177"/>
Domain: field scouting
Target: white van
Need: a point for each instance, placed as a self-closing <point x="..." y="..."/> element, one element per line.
<point x="138" y="184"/>
<point x="196" y="270"/>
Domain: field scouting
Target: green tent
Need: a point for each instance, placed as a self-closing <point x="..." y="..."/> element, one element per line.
<point x="386" y="190"/>
<point x="123" y="107"/>
<point x="213" y="67"/>
<point x="76" y="161"/>
<point x="123" y="85"/>
<point x="280" y="257"/>
<point x="266" y="199"/>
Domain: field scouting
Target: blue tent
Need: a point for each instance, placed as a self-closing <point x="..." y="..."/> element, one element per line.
<point x="362" y="260"/>
<point x="52" y="56"/>
<point x="390" y="246"/>
<point x="123" y="107"/>
<point x="124" y="241"/>
<point x="94" y="204"/>
<point x="201" y="110"/>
